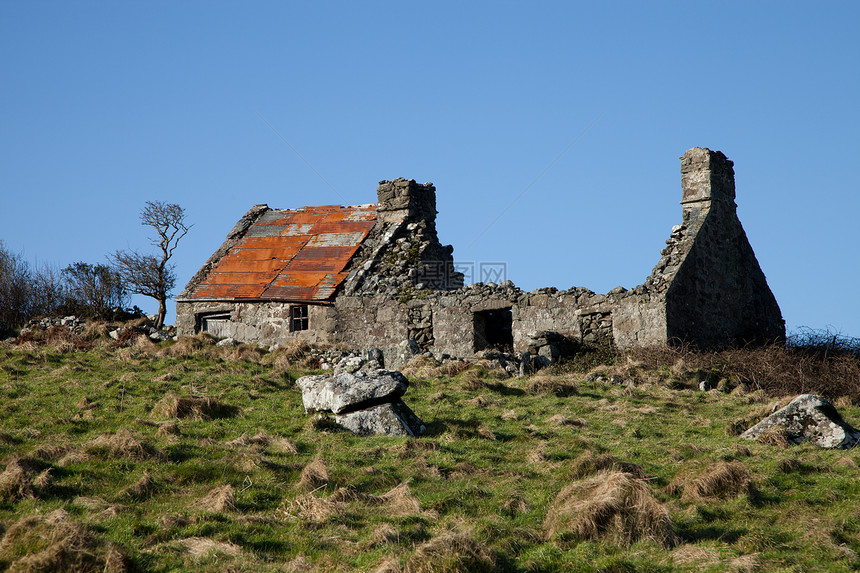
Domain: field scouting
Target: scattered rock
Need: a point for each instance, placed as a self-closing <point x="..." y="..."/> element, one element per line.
<point x="158" y="335"/>
<point x="345" y="391"/>
<point x="809" y="418"/>
<point x="364" y="403"/>
<point x="391" y="419"/>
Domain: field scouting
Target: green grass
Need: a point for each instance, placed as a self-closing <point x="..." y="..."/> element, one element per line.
<point x="488" y="470"/>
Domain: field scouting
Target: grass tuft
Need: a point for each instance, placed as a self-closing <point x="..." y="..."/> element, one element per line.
<point x="123" y="444"/>
<point x="614" y="506"/>
<point x="202" y="408"/>
<point x="53" y="543"/>
<point x="314" y="475"/>
<point x="201" y="547"/>
<point x="588" y="463"/>
<point x="719" y="480"/>
<point x="450" y="552"/>
<point x="23" y="477"/>
<point x="560" y="387"/>
<point x="219" y="500"/>
<point x="143" y="488"/>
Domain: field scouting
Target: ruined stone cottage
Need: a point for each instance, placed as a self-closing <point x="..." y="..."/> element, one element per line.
<point x="372" y="276"/>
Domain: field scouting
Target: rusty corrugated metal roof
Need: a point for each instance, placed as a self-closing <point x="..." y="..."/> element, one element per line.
<point x="294" y="255"/>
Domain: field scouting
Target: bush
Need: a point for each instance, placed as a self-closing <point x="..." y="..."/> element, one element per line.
<point x="92" y="291"/>
<point x="812" y="362"/>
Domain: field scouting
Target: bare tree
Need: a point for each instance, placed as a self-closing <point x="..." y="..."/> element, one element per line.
<point x="15" y="277"/>
<point x="151" y="275"/>
<point x="49" y="292"/>
<point x="94" y="290"/>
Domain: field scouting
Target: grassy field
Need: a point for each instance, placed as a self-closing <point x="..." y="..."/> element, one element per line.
<point x="131" y="456"/>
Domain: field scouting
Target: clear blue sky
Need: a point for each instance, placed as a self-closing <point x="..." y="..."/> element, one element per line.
<point x="106" y="105"/>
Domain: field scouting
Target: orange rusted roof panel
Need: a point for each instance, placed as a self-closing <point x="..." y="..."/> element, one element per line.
<point x="290" y="255"/>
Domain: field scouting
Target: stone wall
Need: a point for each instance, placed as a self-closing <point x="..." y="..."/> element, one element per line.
<point x="403" y="252"/>
<point x="719" y="294"/>
<point x="707" y="287"/>
<point x="262" y="323"/>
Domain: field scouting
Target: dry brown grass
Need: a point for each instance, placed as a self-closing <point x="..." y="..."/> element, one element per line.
<point x="812" y="366"/>
<point x="261" y="438"/>
<point x="389" y="564"/>
<point x="243" y="353"/>
<point x="538" y="454"/>
<point x="295" y="349"/>
<point x="102" y="508"/>
<point x="615" y="506"/>
<point x="123" y="444"/>
<point x="314" y="475"/>
<point x="515" y="505"/>
<point x="719" y="480"/>
<point x="384" y="534"/>
<point x="23" y="477"/>
<point x="218" y="500"/>
<point x="199" y="345"/>
<point x="51" y="452"/>
<point x="562" y="420"/>
<point x="399" y="501"/>
<point x="452" y="368"/>
<point x="144" y="345"/>
<point x="555" y="385"/>
<point x="310" y="507"/>
<point x="166" y="377"/>
<point x="420" y="367"/>
<point x="143" y="488"/>
<point x="450" y="552"/>
<point x="299" y="564"/>
<point x="169" y="428"/>
<point x="52" y="543"/>
<point x="199" y="408"/>
<point x="201" y="547"/>
<point x="60" y="339"/>
<point x="588" y="463"/>
<point x="74" y="456"/>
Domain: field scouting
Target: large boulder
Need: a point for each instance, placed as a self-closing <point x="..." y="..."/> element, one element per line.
<point x="809" y="418"/>
<point x="363" y="402"/>
<point x="391" y="419"/>
<point x="346" y="391"/>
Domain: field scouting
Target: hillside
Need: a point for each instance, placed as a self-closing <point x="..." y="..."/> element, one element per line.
<point x="129" y="455"/>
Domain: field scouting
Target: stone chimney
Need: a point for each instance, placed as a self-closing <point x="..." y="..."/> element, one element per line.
<point x="406" y="200"/>
<point x="707" y="179"/>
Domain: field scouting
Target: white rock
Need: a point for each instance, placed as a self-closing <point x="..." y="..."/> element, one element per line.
<point x="809" y="418"/>
<point x="346" y="391"/>
<point x="391" y="419"/>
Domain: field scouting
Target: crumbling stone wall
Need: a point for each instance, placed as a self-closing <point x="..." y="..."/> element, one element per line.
<point x="719" y="295"/>
<point x="707" y="288"/>
<point x="262" y="323"/>
<point x="403" y="254"/>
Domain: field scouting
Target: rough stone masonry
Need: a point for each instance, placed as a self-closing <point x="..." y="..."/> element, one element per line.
<point x="399" y="282"/>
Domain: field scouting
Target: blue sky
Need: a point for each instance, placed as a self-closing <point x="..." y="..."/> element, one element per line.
<point x="552" y="130"/>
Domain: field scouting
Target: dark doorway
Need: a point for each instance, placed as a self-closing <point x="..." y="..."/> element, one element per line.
<point x="494" y="329"/>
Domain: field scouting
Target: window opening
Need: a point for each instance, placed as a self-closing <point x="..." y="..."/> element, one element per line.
<point x="494" y="329"/>
<point x="298" y="317"/>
